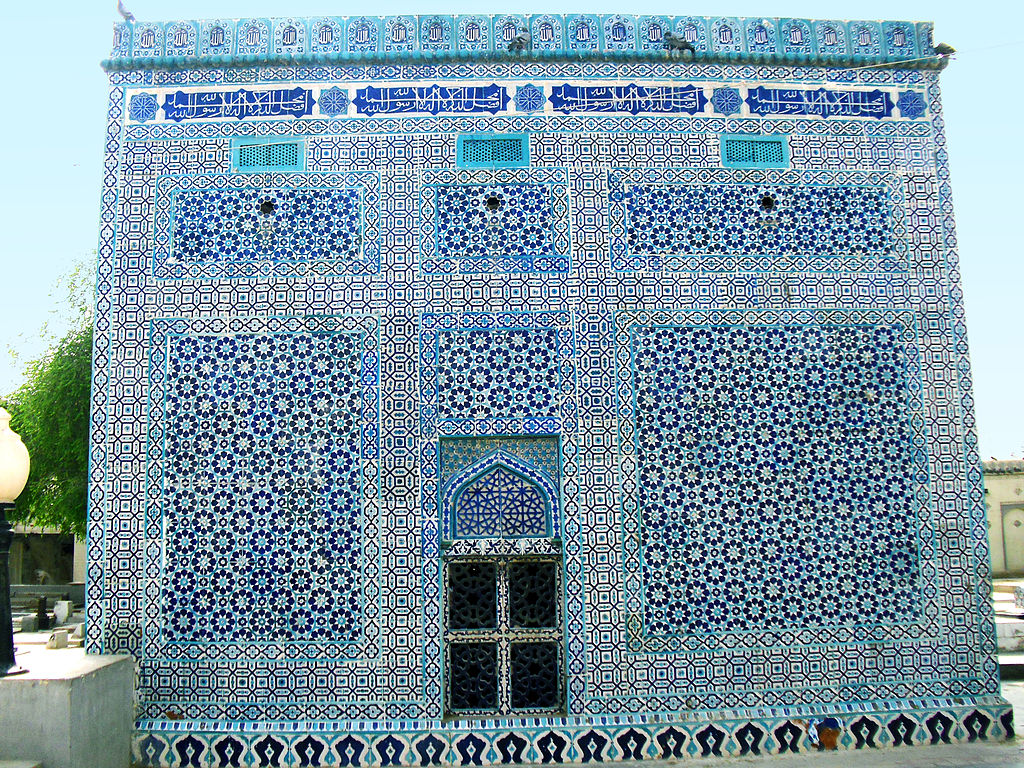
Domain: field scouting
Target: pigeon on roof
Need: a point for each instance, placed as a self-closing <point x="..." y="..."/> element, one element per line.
<point x="125" y="13"/>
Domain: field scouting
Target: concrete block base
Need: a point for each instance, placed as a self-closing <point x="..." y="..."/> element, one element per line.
<point x="69" y="710"/>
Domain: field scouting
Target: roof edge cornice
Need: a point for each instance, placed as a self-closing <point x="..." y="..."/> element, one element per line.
<point x="361" y="40"/>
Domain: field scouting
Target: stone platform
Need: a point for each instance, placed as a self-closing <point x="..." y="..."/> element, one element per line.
<point x="69" y="710"/>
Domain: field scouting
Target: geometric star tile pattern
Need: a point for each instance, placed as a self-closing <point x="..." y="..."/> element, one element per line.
<point x="775" y="477"/>
<point x="278" y="224"/>
<point x="755" y="220"/>
<point x="505" y="373"/>
<point x="501" y="503"/>
<point x="768" y="220"/>
<point x="509" y="224"/>
<point x="261" y="488"/>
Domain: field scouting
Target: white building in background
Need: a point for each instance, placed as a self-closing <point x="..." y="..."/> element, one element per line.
<point x="41" y="555"/>
<point x="1004" y="501"/>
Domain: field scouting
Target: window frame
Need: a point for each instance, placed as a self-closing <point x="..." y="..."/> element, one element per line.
<point x="505" y="636"/>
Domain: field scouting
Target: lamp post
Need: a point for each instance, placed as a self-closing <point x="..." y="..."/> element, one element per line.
<point x="14" y="464"/>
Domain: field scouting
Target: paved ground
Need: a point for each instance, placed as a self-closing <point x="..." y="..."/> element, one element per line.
<point x="945" y="756"/>
<point x="1013" y="692"/>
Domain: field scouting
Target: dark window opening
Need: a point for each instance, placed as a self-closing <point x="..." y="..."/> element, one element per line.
<point x="472" y="595"/>
<point x="504" y="636"/>
<point x="534" y="675"/>
<point x="473" y="675"/>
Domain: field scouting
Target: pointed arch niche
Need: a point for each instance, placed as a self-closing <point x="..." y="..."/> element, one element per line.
<point x="500" y="496"/>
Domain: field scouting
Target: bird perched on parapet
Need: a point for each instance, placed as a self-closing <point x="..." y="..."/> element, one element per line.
<point x="125" y="13"/>
<point x="521" y="41"/>
<point x="942" y="49"/>
<point x="674" y="42"/>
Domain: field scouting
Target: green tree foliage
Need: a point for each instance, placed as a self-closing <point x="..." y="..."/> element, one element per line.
<point x="51" y="413"/>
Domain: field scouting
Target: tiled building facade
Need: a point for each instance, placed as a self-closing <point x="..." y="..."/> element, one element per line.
<point x="599" y="400"/>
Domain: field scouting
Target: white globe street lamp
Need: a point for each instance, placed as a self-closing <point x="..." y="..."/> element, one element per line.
<point x="14" y="466"/>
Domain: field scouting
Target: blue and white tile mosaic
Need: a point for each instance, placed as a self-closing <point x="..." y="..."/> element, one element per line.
<point x="571" y="33"/>
<point x="713" y="395"/>
<point x="497" y="222"/>
<point x="680" y="220"/>
<point x="795" y="446"/>
<point x="242" y="226"/>
<point x="262" y="433"/>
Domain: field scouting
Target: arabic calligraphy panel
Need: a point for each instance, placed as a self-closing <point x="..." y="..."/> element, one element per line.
<point x="181" y="39"/>
<point x="619" y="32"/>
<point x="694" y="30"/>
<point x="326" y="36"/>
<point x="866" y="38"/>
<point x="149" y="40"/>
<point x="547" y="32"/>
<point x="726" y="35"/>
<point x="474" y="33"/>
<point x="240" y="104"/>
<point x="289" y="36"/>
<point x="253" y="37"/>
<point x="506" y="27"/>
<point x="582" y="32"/>
<point x="822" y="102"/>
<point x="120" y="46"/>
<point x="831" y="37"/>
<point x="651" y="30"/>
<point x="762" y="36"/>
<point x="363" y="34"/>
<point x="899" y="38"/>
<point x="436" y="33"/>
<point x="632" y="98"/>
<point x="217" y="37"/>
<point x="400" y="33"/>
<point x="431" y="99"/>
<point x="797" y="36"/>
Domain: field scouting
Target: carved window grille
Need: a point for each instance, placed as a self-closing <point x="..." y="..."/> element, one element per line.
<point x="508" y="151"/>
<point x="262" y="155"/>
<point x="501" y="504"/>
<point x="505" y="643"/>
<point x="755" y="152"/>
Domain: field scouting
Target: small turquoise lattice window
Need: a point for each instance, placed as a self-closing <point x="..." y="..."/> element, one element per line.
<point x="501" y="504"/>
<point x="490" y="151"/>
<point x="272" y="154"/>
<point x="755" y="152"/>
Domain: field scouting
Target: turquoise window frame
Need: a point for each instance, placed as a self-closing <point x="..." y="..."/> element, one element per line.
<point x="236" y="151"/>
<point x="460" y="144"/>
<point x="781" y="138"/>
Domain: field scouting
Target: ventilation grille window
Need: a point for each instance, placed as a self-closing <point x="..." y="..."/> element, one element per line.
<point x="755" y="152"/>
<point x="275" y="155"/>
<point x="493" y="151"/>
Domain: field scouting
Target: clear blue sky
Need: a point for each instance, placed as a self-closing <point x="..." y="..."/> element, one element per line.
<point x="53" y="161"/>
